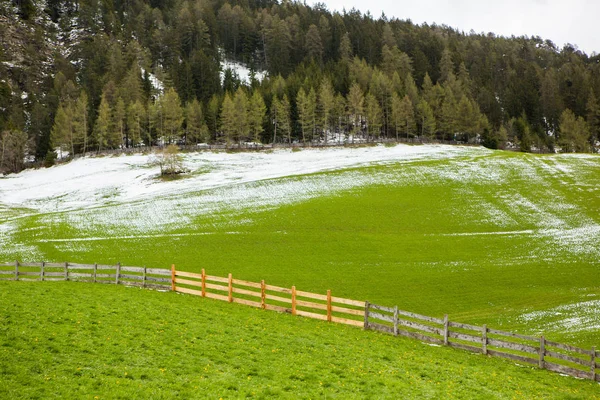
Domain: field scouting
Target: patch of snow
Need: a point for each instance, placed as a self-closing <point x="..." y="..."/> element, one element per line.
<point x="575" y="317"/>
<point x="242" y="72"/>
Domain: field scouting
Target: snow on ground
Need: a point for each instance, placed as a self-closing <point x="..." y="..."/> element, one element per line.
<point x="91" y="182"/>
<point x="241" y="70"/>
<point x="576" y="317"/>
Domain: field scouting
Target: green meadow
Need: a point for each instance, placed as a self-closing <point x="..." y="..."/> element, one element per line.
<point x="503" y="239"/>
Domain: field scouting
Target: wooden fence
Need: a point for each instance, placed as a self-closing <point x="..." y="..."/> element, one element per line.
<point x="553" y="356"/>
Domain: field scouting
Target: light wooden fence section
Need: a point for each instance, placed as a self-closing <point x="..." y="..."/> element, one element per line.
<point x="324" y="307"/>
<point x="553" y="356"/>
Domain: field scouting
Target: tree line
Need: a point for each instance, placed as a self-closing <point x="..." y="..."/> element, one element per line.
<point x="130" y="73"/>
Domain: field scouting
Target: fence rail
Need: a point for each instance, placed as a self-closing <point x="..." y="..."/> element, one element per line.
<point x="553" y="356"/>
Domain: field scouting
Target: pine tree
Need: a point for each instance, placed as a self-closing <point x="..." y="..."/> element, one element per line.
<point x="256" y="116"/>
<point x="593" y="115"/>
<point x="345" y="49"/>
<point x="314" y="46"/>
<point x="574" y="133"/>
<point x="446" y="66"/>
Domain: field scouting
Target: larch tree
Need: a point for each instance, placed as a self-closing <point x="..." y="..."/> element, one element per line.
<point x="135" y="119"/>
<point x="325" y="106"/>
<point x="284" y="118"/>
<point x="574" y="133"/>
<point x="62" y="130"/>
<point x="80" y="122"/>
<point x="305" y="113"/>
<point x="118" y="122"/>
<point x="102" y="125"/>
<point x="374" y="116"/>
<point x="172" y="115"/>
<point x="256" y="116"/>
<point x="406" y="116"/>
<point x="356" y="106"/>
<point x="314" y="45"/>
<point x="228" y="117"/>
<point x="426" y="119"/>
<point x="242" y="123"/>
<point x="196" y="129"/>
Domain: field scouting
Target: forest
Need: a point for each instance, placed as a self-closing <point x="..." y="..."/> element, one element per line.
<point x="88" y="75"/>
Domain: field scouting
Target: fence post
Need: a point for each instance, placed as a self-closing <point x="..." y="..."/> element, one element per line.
<point x="144" y="277"/>
<point x="203" y="283"/>
<point x="395" y="320"/>
<point x="366" y="315"/>
<point x="66" y="271"/>
<point x="42" y="271"/>
<point x="16" y="270"/>
<point x="542" y="352"/>
<point x="329" y="308"/>
<point x="484" y="340"/>
<point x="593" y="362"/>
<point x="293" y="300"/>
<point x="173" y="277"/>
<point x="95" y="271"/>
<point x="446" y="326"/>
<point x="118" y="273"/>
<point x="263" y="295"/>
<point x="230" y="297"/>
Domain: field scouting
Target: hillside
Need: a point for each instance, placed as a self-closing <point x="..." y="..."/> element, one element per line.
<point x="505" y="239"/>
<point x="70" y="340"/>
<point x="91" y="75"/>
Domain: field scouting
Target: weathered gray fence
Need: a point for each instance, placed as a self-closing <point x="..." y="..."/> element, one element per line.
<point x="553" y="356"/>
<point x="155" y="278"/>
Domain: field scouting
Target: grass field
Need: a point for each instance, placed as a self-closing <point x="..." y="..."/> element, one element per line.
<point x="510" y="240"/>
<point x="76" y="340"/>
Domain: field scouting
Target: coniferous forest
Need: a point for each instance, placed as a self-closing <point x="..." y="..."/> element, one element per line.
<point x="86" y="75"/>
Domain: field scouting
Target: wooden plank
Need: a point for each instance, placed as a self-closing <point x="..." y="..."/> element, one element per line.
<point x="484" y="339"/>
<point x="542" y="352"/>
<point x="215" y="296"/>
<point x="421" y="317"/>
<point x="95" y="271"/>
<point x="29" y="273"/>
<point x="565" y="357"/>
<point x="81" y="266"/>
<point x="230" y="288"/>
<point x="311" y="315"/>
<point x="568" y="347"/>
<point x="143" y="276"/>
<point x="566" y="370"/>
<point x="310" y="295"/>
<point x="421" y="327"/>
<point x="118" y="274"/>
<point x="106" y="267"/>
<point x="348" y="302"/>
<point x="510" y="334"/>
<point x="81" y="275"/>
<point x="277" y="298"/>
<point x="381" y="308"/>
<point x="173" y="272"/>
<point x="277" y="308"/>
<point x="512" y="346"/>
<point x="262" y="293"/>
<point x="53" y="265"/>
<point x="421" y="337"/>
<point x="42" y="271"/>
<point x="216" y="287"/>
<point x="154" y="279"/>
<point x="347" y="321"/>
<point x="246" y="292"/>
<point x="465" y="337"/>
<point x="329" y="305"/>
<point x="7" y="273"/>
<point x="188" y="282"/>
<point x="246" y="302"/>
<point x="61" y="274"/>
<point x="16" y="270"/>
<point x="466" y="347"/>
<point x="366" y="320"/>
<point x="28" y="265"/>
<point x="345" y="310"/>
<point x="203" y="282"/>
<point x="246" y="283"/>
<point x="382" y="317"/>
<point x="593" y="364"/>
<point x="513" y="357"/>
<point x="309" y="304"/>
<point x="158" y="271"/>
<point x="278" y="289"/>
<point x="127" y="276"/>
<point x="293" y="300"/>
<point x="133" y="269"/>
<point x="453" y="324"/>
<point x="188" y="291"/>
<point x="101" y="275"/>
<point x="380" y="328"/>
<point x="445" y="329"/>
<point x="216" y="279"/>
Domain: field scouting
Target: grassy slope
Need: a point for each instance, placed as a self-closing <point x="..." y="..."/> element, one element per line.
<point x="414" y="242"/>
<point x="75" y="340"/>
